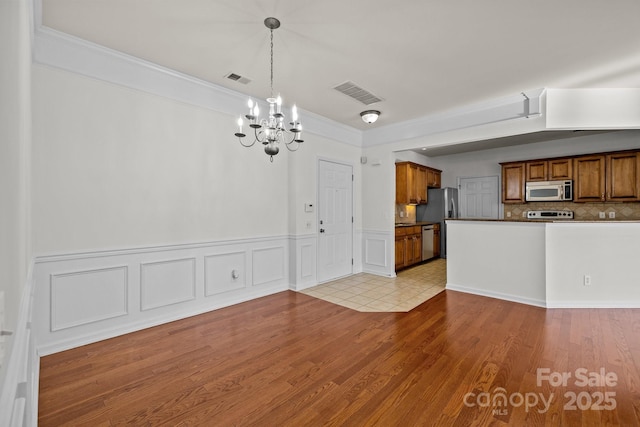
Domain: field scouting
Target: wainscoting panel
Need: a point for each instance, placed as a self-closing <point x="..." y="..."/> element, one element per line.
<point x="303" y="261"/>
<point x="167" y="282"/>
<point x="307" y="261"/>
<point x="375" y="251"/>
<point x="378" y="252"/>
<point x="268" y="265"/>
<point x="88" y="296"/>
<point x="224" y="272"/>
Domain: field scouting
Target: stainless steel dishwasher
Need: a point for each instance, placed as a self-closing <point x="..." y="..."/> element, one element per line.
<point x="427" y="242"/>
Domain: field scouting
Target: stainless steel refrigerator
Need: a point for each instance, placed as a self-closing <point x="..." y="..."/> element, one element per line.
<point x="442" y="203"/>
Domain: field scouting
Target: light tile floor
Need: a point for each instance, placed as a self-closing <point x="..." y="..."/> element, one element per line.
<point x="368" y="292"/>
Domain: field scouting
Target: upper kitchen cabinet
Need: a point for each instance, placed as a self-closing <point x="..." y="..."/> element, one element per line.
<point x="610" y="177"/>
<point x="412" y="181"/>
<point x="623" y="177"/>
<point x="549" y="170"/>
<point x="407" y="184"/>
<point x="513" y="179"/>
<point x="434" y="178"/>
<point x="589" y="185"/>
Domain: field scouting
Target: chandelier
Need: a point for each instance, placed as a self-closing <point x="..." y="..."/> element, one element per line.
<point x="271" y="131"/>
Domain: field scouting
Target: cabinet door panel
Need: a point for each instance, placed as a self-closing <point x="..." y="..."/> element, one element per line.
<point x="421" y="184"/>
<point x="401" y="253"/>
<point x="622" y="177"/>
<point x="560" y="169"/>
<point x="537" y="171"/>
<point x="513" y="183"/>
<point x="589" y="175"/>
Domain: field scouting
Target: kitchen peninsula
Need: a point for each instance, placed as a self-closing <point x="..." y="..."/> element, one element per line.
<point x="546" y="263"/>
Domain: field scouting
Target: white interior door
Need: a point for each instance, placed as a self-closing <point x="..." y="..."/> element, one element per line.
<point x="335" y="220"/>
<point x="479" y="197"/>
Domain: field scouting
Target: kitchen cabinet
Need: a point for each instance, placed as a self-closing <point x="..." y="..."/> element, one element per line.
<point x="611" y="177"/>
<point x="560" y="169"/>
<point x="434" y="178"/>
<point x="421" y="184"/>
<point x="549" y="170"/>
<point x="410" y="184"/>
<point x="436" y="240"/>
<point x="623" y="177"/>
<point x="600" y="177"/>
<point x="513" y="179"/>
<point x="408" y="246"/>
<point x="589" y="184"/>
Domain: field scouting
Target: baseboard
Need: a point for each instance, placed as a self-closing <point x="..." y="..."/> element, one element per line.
<point x="497" y="295"/>
<point x="592" y="304"/>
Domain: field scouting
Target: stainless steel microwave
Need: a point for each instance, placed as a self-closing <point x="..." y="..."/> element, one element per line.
<point x="547" y="191"/>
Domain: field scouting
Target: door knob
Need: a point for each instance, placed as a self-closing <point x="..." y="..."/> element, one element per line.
<point x="322" y="230"/>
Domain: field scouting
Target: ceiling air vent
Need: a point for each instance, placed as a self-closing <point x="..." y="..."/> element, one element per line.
<point x="237" y="78"/>
<point x="356" y="92"/>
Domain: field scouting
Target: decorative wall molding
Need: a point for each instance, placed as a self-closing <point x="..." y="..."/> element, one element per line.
<point x="168" y="282"/>
<point x="87" y="297"/>
<point x="60" y="50"/>
<point x="378" y="252"/>
<point x="224" y="272"/>
<point x="102" y="293"/>
<point x="269" y="265"/>
<point x="303" y="261"/>
<point x="512" y="107"/>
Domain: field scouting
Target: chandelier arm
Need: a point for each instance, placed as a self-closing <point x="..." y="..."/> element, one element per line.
<point x="241" y="139"/>
<point x="288" y="145"/>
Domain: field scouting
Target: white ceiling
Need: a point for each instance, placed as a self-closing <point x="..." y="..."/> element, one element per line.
<point x="421" y="57"/>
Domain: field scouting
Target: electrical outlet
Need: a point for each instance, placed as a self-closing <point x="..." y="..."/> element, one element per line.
<point x="587" y="280"/>
<point x="612" y="215"/>
<point x="508" y="214"/>
<point x="601" y="215"/>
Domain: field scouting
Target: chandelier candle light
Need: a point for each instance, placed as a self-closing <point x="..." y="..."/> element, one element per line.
<point x="271" y="131"/>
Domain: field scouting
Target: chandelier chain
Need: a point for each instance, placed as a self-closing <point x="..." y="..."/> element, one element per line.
<point x="272" y="62"/>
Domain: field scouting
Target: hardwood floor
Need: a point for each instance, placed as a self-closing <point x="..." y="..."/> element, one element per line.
<point x="293" y="360"/>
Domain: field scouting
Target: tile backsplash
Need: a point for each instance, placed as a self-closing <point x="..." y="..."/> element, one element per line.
<point x="405" y="214"/>
<point x="581" y="211"/>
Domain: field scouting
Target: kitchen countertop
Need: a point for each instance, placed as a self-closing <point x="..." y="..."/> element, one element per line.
<point x="568" y="221"/>
<point x="414" y="224"/>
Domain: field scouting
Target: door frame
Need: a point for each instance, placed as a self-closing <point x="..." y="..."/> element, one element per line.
<point x="317" y="211"/>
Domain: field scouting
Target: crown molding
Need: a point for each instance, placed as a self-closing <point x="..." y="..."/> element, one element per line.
<point x="60" y="50"/>
<point x="518" y="106"/>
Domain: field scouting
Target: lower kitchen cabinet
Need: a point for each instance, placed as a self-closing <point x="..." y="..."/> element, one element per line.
<point x="408" y="246"/>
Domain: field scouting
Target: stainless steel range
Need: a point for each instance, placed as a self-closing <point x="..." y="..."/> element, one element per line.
<point x="549" y="214"/>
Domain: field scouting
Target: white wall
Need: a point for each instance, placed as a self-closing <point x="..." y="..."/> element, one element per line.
<point x="503" y="260"/>
<point x="15" y="129"/>
<point x="119" y="168"/>
<point x="15" y="248"/>
<point x="607" y="252"/>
